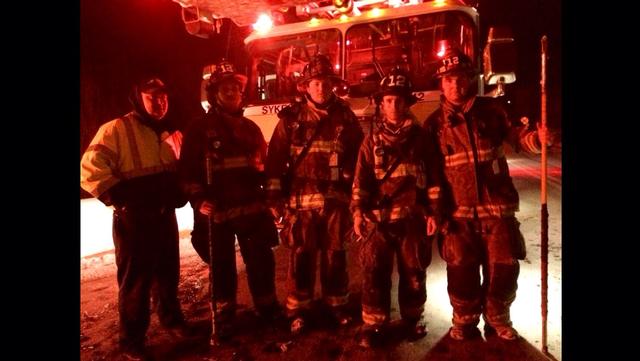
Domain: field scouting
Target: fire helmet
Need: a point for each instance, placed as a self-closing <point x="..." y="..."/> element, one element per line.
<point x="319" y="66"/>
<point x="224" y="71"/>
<point x="397" y="82"/>
<point x="454" y="60"/>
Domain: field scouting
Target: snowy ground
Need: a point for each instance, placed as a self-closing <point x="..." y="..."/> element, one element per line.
<point x="95" y="226"/>
<point x="99" y="296"/>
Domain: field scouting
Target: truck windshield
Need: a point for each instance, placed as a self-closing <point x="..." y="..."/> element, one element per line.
<point x="412" y="43"/>
<point x="277" y="63"/>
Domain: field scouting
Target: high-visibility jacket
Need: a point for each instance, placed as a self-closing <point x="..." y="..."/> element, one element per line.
<point x="327" y="169"/>
<point x="471" y="143"/>
<point x="413" y="184"/>
<point x="128" y="163"/>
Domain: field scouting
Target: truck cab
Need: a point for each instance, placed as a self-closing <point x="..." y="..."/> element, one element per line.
<point x="364" y="40"/>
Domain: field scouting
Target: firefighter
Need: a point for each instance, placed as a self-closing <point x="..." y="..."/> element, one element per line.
<point x="310" y="163"/>
<point x="480" y="229"/>
<point x="394" y="199"/>
<point x="234" y="201"/>
<point x="130" y="165"/>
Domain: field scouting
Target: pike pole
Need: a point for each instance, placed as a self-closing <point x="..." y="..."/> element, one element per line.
<point x="544" y="236"/>
<point x="212" y="306"/>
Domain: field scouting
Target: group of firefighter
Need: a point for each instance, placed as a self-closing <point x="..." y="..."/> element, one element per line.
<point x="408" y="182"/>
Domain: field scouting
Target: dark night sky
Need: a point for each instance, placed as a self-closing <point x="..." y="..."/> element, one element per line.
<point x="124" y="40"/>
<point x="529" y="20"/>
<point x="121" y="40"/>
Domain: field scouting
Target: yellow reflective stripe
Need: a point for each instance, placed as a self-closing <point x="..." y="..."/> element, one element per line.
<point x="402" y="170"/>
<point x="222" y="306"/>
<point x="467" y="157"/>
<point x="463" y="212"/>
<point x="149" y="170"/>
<point x="101" y="148"/>
<point x="336" y="300"/>
<point x="434" y="192"/>
<point x="273" y="184"/>
<point x="371" y="318"/>
<point x="459" y="319"/>
<point x="391" y="214"/>
<point x="131" y="139"/>
<point x="307" y="201"/>
<point x="294" y="303"/>
<point x="315" y="200"/>
<point x="484" y="211"/>
<point x="490" y="154"/>
<point x="232" y="162"/>
<point x="238" y="162"/>
<point x="359" y="193"/>
<point x="222" y="216"/>
<point x="458" y="159"/>
<point x="320" y="146"/>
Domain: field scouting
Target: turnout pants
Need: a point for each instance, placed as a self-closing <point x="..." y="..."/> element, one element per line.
<point x="256" y="234"/>
<point x="309" y="233"/>
<point x="493" y="244"/>
<point x="406" y="240"/>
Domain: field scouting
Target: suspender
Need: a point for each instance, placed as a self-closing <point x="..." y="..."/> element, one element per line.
<point x="303" y="152"/>
<point x="392" y="168"/>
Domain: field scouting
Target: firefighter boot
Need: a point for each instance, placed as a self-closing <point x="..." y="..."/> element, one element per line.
<point x="465" y="326"/>
<point x="223" y="332"/>
<point x="370" y="336"/>
<point x="460" y="332"/>
<point x="340" y="317"/>
<point x="134" y="352"/>
<point x="181" y="330"/>
<point x="415" y="329"/>
<point x="503" y="331"/>
<point x="270" y="313"/>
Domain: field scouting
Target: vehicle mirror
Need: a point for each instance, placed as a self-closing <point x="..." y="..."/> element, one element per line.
<point x="499" y="57"/>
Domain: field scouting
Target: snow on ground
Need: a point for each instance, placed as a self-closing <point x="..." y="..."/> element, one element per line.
<point x="95" y="226"/>
<point x="98" y="270"/>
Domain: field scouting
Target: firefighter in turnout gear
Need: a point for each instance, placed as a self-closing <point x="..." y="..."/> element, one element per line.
<point x="310" y="164"/>
<point x="234" y="201"/>
<point x="394" y="200"/>
<point x="479" y="228"/>
<point x="131" y="166"/>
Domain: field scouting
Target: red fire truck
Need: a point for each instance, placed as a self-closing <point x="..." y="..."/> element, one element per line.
<point x="364" y="39"/>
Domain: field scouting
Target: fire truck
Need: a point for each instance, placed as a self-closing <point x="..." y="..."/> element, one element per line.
<point x="364" y="39"/>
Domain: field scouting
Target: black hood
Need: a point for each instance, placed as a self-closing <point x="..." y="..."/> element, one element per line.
<point x="159" y="126"/>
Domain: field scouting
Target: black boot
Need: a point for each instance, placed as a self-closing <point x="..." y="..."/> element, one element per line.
<point x="369" y="336"/>
<point x="415" y="329"/>
<point x="340" y="317"/>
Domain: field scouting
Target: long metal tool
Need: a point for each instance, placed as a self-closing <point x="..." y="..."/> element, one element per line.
<point x="212" y="305"/>
<point x="544" y="236"/>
